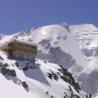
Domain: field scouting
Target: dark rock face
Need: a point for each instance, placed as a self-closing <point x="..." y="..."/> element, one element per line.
<point x="67" y="77"/>
<point x="8" y="72"/>
<point x="3" y="65"/>
<point x="53" y="76"/>
<point x="25" y="85"/>
<point x="72" y="94"/>
<point x="1" y="58"/>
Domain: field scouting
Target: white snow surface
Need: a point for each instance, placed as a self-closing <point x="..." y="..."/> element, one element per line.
<point x="10" y="90"/>
<point x="37" y="81"/>
<point x="74" y="47"/>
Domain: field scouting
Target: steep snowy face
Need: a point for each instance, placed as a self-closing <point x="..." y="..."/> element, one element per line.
<point x="41" y="79"/>
<point x="87" y="36"/>
<point x="65" y="52"/>
<point x="74" y="47"/>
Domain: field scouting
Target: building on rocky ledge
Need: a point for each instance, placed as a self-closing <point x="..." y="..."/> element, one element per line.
<point x="21" y="50"/>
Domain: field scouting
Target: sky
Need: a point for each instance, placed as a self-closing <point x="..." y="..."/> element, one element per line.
<point x="19" y="15"/>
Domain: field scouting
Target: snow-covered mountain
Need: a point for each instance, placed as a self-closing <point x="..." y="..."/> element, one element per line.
<point x="66" y="65"/>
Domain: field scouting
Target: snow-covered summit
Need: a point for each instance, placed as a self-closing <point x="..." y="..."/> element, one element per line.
<point x="83" y="27"/>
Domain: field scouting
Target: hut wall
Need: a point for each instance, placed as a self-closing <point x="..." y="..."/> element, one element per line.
<point x="22" y="51"/>
<point x="23" y="55"/>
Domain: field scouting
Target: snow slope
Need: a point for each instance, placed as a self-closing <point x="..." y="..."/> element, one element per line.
<point x="60" y="46"/>
<point x="9" y="90"/>
<point x="73" y="46"/>
<point x="43" y="80"/>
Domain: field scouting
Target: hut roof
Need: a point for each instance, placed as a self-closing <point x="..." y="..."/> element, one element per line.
<point x="10" y="39"/>
<point x="24" y="42"/>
